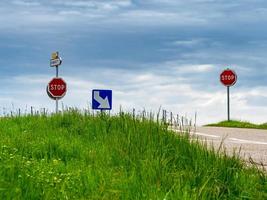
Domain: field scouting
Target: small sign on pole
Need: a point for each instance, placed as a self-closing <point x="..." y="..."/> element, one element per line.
<point x="55" y="55"/>
<point x="228" y="78"/>
<point x="55" y="60"/>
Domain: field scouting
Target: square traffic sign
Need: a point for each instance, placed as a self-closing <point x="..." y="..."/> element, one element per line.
<point x="102" y="99"/>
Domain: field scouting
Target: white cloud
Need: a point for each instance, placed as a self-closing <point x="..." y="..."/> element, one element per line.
<point x="93" y="3"/>
<point x="26" y="3"/>
<point x="193" y="13"/>
<point x="188" y="68"/>
<point x="157" y="18"/>
<point x="188" y="43"/>
<point x="197" y="68"/>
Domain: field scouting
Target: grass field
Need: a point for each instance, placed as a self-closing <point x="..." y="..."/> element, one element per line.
<point x="239" y="124"/>
<point x="78" y="156"/>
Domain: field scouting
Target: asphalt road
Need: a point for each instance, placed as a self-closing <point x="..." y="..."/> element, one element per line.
<point x="252" y="143"/>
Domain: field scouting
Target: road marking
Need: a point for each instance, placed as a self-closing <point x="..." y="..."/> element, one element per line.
<point x="207" y="135"/>
<point x="207" y="140"/>
<point x="247" y="141"/>
<point x="198" y="133"/>
<point x="230" y="139"/>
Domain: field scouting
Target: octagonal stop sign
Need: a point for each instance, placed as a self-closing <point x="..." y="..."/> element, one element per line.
<point x="56" y="88"/>
<point x="228" y="77"/>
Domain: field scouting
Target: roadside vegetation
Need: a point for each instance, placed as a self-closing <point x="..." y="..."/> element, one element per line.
<point x="85" y="156"/>
<point x="239" y="124"/>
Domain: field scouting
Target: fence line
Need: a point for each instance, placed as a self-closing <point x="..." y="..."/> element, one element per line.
<point x="169" y="118"/>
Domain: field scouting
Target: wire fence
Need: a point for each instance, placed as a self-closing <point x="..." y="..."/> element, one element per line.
<point x="168" y="118"/>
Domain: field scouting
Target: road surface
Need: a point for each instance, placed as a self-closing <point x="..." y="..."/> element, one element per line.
<point x="252" y="143"/>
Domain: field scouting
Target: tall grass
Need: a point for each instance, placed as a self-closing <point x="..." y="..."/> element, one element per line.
<point x="80" y="156"/>
<point x="239" y="124"/>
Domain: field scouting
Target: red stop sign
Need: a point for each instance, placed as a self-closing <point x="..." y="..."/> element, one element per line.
<point x="57" y="88"/>
<point x="228" y="77"/>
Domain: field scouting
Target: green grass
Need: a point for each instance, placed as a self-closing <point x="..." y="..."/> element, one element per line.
<point x="239" y="124"/>
<point x="75" y="156"/>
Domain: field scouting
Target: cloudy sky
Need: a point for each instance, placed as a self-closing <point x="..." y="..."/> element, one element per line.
<point x="151" y="53"/>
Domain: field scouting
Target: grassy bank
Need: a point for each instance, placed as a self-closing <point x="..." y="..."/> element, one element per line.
<point x="239" y="124"/>
<point x="74" y="156"/>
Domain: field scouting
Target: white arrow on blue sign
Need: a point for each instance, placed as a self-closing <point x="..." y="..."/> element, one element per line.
<point x="102" y="99"/>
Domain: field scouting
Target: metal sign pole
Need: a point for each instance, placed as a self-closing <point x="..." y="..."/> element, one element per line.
<point x="228" y="103"/>
<point x="57" y="98"/>
<point x="56" y="105"/>
<point x="57" y="71"/>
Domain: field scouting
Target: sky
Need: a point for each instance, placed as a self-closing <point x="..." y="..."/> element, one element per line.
<point x="152" y="53"/>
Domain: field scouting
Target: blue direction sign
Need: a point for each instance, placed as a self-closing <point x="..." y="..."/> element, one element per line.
<point x="102" y="99"/>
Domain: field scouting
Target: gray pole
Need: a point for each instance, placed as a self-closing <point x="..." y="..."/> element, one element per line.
<point x="228" y="103"/>
<point x="57" y="71"/>
<point x="57" y="98"/>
